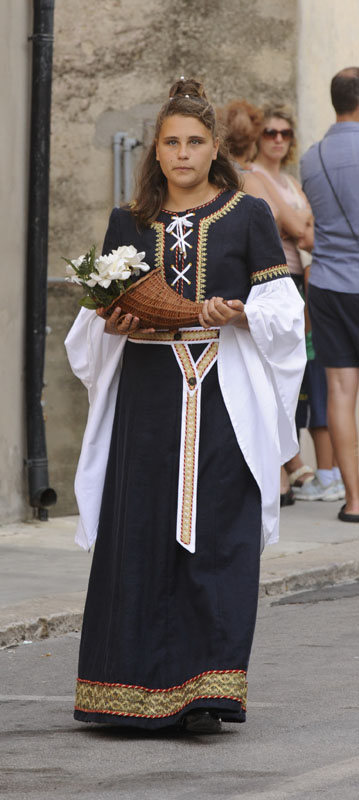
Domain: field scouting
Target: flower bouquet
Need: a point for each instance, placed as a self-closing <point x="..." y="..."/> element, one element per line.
<point x="105" y="278"/>
<point x="112" y="281"/>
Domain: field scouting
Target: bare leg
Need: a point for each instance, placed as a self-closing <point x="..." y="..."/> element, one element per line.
<point x="323" y="447"/>
<point x="294" y="464"/>
<point x="343" y="384"/>
<point x="284" y="481"/>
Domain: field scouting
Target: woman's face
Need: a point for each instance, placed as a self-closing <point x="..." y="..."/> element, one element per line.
<point x="185" y="150"/>
<point x="275" y="139"/>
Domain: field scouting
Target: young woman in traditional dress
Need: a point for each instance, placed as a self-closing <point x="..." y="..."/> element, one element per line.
<point x="179" y="469"/>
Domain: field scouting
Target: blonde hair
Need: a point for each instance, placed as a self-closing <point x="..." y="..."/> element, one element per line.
<point x="282" y="112"/>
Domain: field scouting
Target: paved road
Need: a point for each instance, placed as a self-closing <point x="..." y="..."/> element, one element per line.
<point x="300" y="741"/>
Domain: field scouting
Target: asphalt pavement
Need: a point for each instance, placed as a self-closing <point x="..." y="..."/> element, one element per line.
<point x="300" y="741"/>
<point x="43" y="574"/>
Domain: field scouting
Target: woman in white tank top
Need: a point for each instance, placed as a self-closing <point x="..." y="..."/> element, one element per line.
<point x="276" y="148"/>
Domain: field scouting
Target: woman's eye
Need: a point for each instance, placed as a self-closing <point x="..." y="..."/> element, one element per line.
<point x="195" y="141"/>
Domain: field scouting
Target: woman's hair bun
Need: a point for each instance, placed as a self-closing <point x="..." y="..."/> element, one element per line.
<point x="191" y="88"/>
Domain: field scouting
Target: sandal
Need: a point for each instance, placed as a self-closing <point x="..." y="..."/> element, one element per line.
<point x="347" y="517"/>
<point x="293" y="477"/>
<point x="287" y="498"/>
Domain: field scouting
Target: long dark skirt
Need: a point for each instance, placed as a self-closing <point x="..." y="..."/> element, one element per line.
<point x="166" y="631"/>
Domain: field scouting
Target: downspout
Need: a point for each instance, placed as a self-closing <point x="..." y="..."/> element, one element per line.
<point x="128" y="145"/>
<point x="40" y="493"/>
<point x="117" y="167"/>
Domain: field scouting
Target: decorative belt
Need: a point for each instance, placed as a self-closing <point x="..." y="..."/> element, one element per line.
<point x="193" y="373"/>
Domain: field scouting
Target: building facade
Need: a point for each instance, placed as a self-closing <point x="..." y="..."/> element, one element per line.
<point x="113" y="64"/>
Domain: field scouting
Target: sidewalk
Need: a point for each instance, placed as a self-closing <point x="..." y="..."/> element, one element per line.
<point x="43" y="574"/>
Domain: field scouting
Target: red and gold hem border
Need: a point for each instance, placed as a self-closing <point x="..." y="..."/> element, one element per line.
<point x="270" y="274"/>
<point x="138" y="701"/>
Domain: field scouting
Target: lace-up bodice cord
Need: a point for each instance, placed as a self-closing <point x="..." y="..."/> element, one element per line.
<point x="177" y="228"/>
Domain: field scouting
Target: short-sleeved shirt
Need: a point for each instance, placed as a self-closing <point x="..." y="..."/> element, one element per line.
<point x="231" y="244"/>
<point x="335" y="264"/>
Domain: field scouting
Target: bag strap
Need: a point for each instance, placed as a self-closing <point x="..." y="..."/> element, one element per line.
<point x="356" y="236"/>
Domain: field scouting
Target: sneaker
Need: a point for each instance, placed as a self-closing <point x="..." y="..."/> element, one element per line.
<point x="315" y="490"/>
<point x="333" y="492"/>
<point x="340" y="489"/>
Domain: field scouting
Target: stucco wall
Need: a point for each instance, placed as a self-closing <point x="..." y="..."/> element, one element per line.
<point x="327" y="42"/>
<point x="113" y="64"/>
<point x="15" y="54"/>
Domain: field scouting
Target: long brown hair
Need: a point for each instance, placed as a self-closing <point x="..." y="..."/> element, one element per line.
<point x="187" y="98"/>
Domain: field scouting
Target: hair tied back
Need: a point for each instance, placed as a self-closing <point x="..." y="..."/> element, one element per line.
<point x="189" y="88"/>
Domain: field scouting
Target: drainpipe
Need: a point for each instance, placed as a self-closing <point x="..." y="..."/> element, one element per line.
<point x="40" y="493"/>
<point x="117" y="167"/>
<point x="128" y="146"/>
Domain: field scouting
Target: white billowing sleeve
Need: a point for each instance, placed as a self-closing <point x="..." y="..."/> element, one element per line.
<point x="275" y="313"/>
<point x="95" y="357"/>
<point x="260" y="373"/>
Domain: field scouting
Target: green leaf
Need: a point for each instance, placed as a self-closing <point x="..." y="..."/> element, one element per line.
<point x="88" y="302"/>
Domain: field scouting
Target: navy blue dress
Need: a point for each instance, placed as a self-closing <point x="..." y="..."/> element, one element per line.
<point x="166" y="631"/>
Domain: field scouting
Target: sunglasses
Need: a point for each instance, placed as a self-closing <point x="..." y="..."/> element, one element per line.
<point x="272" y="133"/>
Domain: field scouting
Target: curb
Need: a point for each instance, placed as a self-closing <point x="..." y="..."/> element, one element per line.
<point x="40" y="628"/>
<point x="65" y="622"/>
<point x="314" y="578"/>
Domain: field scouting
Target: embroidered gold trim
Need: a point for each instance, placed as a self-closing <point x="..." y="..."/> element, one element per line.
<point x="138" y="701"/>
<point x="159" y="228"/>
<point x="189" y="433"/>
<point x="189" y="463"/>
<point x="204" y="362"/>
<point x="202" y="243"/>
<point x="267" y="274"/>
<point x="200" y="335"/>
<point x="187" y="365"/>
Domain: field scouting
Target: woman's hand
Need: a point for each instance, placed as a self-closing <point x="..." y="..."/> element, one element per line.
<point x="118" y="325"/>
<point x="217" y="312"/>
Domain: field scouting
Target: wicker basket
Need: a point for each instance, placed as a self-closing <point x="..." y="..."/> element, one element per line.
<point x="156" y="304"/>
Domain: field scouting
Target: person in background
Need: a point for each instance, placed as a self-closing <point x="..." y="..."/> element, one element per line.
<point x="241" y="123"/>
<point x="171" y="472"/>
<point x="277" y="149"/>
<point x="330" y="179"/>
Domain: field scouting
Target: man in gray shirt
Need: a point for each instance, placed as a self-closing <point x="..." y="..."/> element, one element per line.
<point x="330" y="178"/>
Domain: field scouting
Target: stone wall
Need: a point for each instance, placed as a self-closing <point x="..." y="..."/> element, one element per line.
<point x="65" y="398"/>
<point x="113" y="64"/>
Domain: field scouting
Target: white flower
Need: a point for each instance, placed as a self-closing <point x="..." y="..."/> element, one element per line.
<point x="73" y="278"/>
<point x="119" y="265"/>
<point x="78" y="261"/>
<point x="144" y="267"/>
<point x="110" y="268"/>
<point x="132" y="258"/>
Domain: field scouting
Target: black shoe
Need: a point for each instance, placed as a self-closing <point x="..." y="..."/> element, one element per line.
<point x="287" y="499"/>
<point x="345" y="517"/>
<point x="202" y="722"/>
